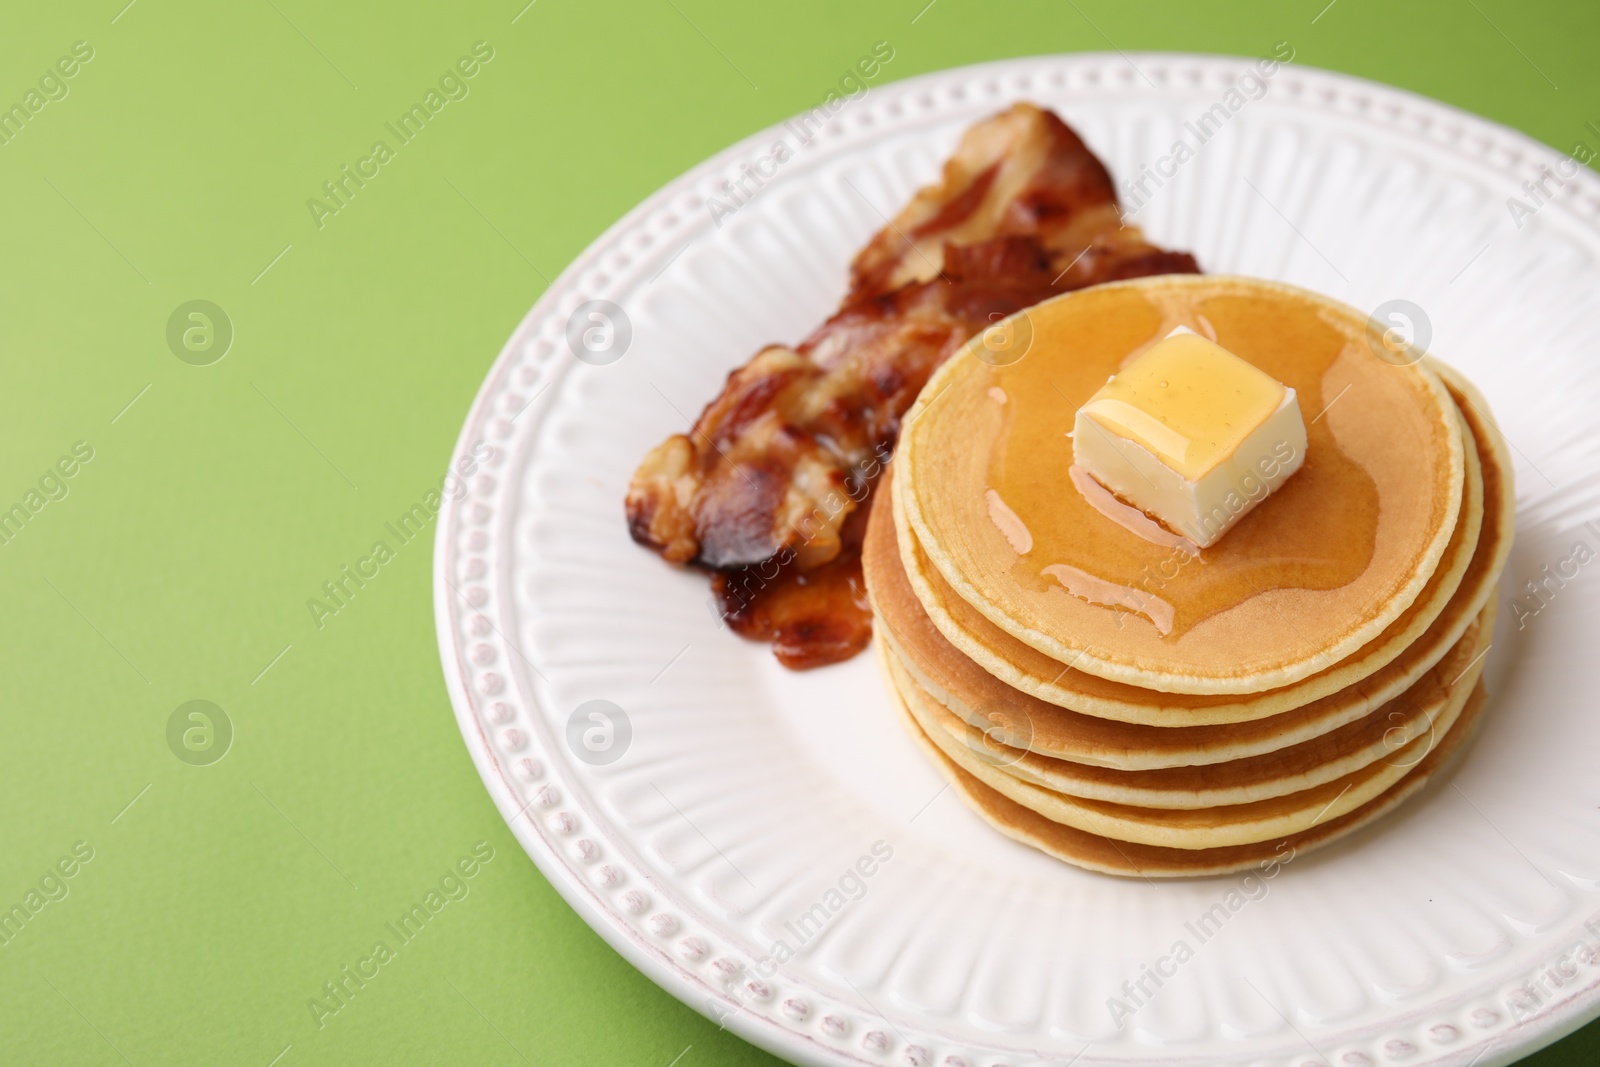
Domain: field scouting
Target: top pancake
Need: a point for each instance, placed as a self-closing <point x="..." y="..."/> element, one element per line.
<point x="980" y="663"/>
<point x="1320" y="568"/>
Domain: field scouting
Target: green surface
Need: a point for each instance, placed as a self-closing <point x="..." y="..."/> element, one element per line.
<point x="178" y="563"/>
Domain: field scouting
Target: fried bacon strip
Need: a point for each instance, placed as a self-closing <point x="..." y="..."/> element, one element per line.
<point x="770" y="488"/>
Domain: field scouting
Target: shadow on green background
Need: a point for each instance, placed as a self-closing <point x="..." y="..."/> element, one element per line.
<point x="174" y="164"/>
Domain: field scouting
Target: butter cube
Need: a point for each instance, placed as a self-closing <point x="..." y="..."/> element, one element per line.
<point x="1191" y="434"/>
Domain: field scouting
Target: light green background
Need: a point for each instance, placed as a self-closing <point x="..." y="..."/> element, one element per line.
<point x="179" y="564"/>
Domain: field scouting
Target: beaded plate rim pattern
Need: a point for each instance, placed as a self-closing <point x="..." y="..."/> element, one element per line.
<point x="597" y="862"/>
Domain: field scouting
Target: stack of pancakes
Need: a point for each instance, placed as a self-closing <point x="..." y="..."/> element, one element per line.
<point x="1304" y="675"/>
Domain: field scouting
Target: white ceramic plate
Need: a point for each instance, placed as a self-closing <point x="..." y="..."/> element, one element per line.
<point x="742" y="795"/>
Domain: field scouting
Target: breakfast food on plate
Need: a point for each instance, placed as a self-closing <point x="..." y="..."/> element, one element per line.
<point x="770" y="488"/>
<point x="1191" y="671"/>
<point x="1171" y="574"/>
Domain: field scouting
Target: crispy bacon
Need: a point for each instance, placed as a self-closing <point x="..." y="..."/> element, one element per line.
<point x="1022" y="173"/>
<point x="770" y="486"/>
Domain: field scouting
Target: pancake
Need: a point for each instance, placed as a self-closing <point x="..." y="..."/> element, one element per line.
<point x="1326" y="565"/>
<point x="1109" y="856"/>
<point x="1192" y="828"/>
<point x="1499" y="483"/>
<point x="968" y="662"/>
<point x="1410" y="645"/>
<point x="1381" y="735"/>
